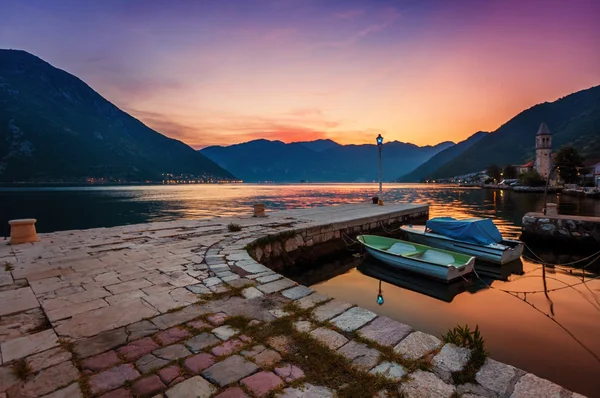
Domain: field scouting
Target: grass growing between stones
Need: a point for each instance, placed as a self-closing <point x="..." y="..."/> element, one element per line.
<point x="21" y="369"/>
<point x="231" y="292"/>
<point x="234" y="227"/>
<point x="84" y="386"/>
<point x="83" y="381"/>
<point x="321" y="365"/>
<point x="462" y="336"/>
<point x="176" y="309"/>
<point x="388" y="354"/>
<point x="8" y="267"/>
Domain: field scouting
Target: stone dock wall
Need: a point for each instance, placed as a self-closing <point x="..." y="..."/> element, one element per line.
<point x="295" y="246"/>
<point x="562" y="228"/>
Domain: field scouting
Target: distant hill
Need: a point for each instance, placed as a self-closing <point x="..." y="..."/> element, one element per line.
<point x="429" y="167"/>
<point x="320" y="145"/>
<point x="319" y="161"/>
<point x="54" y="127"/>
<point x="573" y="120"/>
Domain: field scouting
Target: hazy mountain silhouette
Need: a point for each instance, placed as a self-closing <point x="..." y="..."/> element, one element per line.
<point x="319" y="161"/>
<point x="425" y="170"/>
<point x="54" y="127"/>
<point x="320" y="145"/>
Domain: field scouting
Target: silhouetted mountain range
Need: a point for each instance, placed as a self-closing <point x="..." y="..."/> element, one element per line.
<point x="430" y="167"/>
<point x="319" y="161"/>
<point x="573" y="120"/>
<point x="54" y="127"/>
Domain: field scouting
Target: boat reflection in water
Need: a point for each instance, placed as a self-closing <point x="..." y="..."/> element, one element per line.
<point x="433" y="288"/>
<point x="495" y="272"/>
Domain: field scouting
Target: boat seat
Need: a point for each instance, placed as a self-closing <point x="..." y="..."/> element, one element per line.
<point x="436" y="257"/>
<point x="402" y="248"/>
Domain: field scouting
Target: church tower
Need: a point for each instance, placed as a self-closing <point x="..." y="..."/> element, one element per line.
<point x="543" y="151"/>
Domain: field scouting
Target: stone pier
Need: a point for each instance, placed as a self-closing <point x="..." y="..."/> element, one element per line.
<point x="580" y="230"/>
<point x="184" y="309"/>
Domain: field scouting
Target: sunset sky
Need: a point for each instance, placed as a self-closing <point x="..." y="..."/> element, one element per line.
<point x="223" y="72"/>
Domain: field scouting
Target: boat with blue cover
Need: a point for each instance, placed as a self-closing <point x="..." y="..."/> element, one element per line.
<point x="477" y="237"/>
<point x="435" y="263"/>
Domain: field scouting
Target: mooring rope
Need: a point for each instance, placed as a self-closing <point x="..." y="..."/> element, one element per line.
<point x="389" y="231"/>
<point x="539" y="259"/>
<point x="346" y="237"/>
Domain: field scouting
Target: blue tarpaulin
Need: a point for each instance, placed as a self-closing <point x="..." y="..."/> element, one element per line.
<point x="474" y="230"/>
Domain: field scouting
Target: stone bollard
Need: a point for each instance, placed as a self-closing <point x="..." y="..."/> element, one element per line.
<point x="551" y="209"/>
<point x="259" y="210"/>
<point x="23" y="231"/>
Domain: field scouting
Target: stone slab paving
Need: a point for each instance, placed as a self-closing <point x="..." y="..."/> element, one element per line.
<point x="530" y="386"/>
<point x="307" y="390"/>
<point x="353" y="319"/>
<point x="385" y="331"/>
<point x="142" y="310"/>
<point x="422" y="384"/>
<point x="262" y="383"/>
<point x="361" y="356"/>
<point x="450" y="359"/>
<point x="496" y="376"/>
<point x="329" y="310"/>
<point x="311" y="300"/>
<point x="12" y="301"/>
<point x="390" y="370"/>
<point x="417" y="344"/>
<point x="330" y="338"/>
<point x="297" y="292"/>
<point x="195" y="387"/>
<point x="231" y="369"/>
<point x="27" y="345"/>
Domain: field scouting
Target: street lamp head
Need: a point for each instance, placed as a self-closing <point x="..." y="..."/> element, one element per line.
<point x="379" y="140"/>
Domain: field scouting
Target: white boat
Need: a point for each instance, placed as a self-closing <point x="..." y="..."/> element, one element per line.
<point x="435" y="263"/>
<point x="475" y="237"/>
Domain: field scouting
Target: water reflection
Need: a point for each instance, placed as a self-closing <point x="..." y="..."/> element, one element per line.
<point x="88" y="207"/>
<point x="553" y="336"/>
<point x="382" y="273"/>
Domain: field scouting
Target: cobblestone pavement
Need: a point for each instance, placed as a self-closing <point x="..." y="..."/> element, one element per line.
<point x="154" y="310"/>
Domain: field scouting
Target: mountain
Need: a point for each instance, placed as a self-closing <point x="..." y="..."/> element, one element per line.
<point x="429" y="167"/>
<point x="54" y="127"/>
<point x="320" y="145"/>
<point x="318" y="161"/>
<point x="573" y="120"/>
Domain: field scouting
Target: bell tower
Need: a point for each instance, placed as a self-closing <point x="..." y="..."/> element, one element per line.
<point x="543" y="151"/>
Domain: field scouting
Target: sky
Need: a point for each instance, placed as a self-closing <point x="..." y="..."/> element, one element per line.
<point x="220" y="72"/>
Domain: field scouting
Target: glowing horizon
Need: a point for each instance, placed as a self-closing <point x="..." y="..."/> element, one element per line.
<point x="215" y="73"/>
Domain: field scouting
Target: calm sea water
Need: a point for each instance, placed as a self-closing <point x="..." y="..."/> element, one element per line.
<point x="555" y="338"/>
<point x="65" y="208"/>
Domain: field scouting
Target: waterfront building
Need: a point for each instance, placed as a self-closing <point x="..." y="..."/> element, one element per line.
<point x="524" y="168"/>
<point x="543" y="151"/>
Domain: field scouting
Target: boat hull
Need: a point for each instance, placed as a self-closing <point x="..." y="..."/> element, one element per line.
<point x="441" y="273"/>
<point x="481" y="252"/>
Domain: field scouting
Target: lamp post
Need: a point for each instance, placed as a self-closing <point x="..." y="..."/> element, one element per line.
<point x="380" y="145"/>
